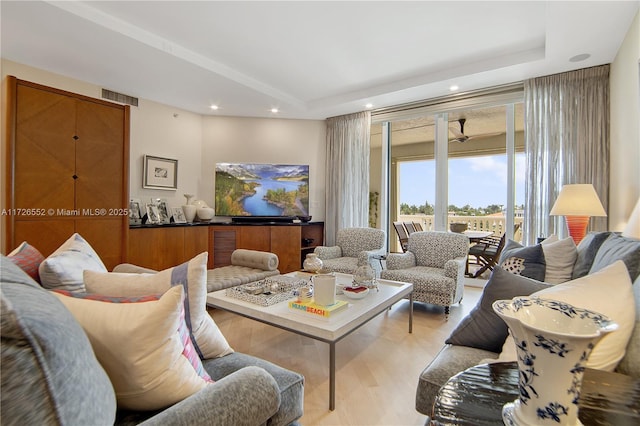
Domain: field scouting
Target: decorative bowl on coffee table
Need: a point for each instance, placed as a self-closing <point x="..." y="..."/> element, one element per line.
<point x="355" y="292"/>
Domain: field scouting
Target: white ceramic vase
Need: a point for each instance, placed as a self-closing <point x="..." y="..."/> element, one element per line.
<point x="312" y="263"/>
<point x="553" y="341"/>
<point x="189" y="212"/>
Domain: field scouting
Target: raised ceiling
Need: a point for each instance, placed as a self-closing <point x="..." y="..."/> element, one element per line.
<point x="308" y="59"/>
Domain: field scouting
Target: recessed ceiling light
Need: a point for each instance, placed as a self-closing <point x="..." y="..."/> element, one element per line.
<point x="214" y="107"/>
<point x="579" y="58"/>
<point x="453" y="88"/>
<point x="274" y="110"/>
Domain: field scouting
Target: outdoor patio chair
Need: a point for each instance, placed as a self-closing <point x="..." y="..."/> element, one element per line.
<point x="354" y="247"/>
<point x="410" y="227"/>
<point x="418" y="226"/>
<point x="487" y="253"/>
<point x="402" y="235"/>
<point x="434" y="263"/>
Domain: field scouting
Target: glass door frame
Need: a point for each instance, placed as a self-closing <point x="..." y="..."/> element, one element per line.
<point x="506" y="96"/>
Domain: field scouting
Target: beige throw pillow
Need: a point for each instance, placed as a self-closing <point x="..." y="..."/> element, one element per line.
<point x="62" y="270"/>
<point x="560" y="257"/>
<point x="140" y="347"/>
<point x="192" y="275"/>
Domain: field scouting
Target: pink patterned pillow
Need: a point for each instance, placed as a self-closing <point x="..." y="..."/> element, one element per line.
<point x="189" y="351"/>
<point x="28" y="258"/>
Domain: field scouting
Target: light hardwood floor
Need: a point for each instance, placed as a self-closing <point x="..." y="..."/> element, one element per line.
<point x="377" y="366"/>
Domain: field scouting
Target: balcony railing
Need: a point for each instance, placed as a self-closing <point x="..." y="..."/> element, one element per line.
<point x="495" y="224"/>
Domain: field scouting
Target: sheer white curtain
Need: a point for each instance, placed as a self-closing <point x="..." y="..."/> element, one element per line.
<point x="567" y="141"/>
<point x="347" y="185"/>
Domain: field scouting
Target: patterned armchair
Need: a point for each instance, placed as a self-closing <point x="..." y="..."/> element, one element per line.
<point x="354" y="247"/>
<point x="434" y="263"/>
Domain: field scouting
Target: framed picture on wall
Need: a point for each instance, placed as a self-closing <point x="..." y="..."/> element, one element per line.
<point x="160" y="173"/>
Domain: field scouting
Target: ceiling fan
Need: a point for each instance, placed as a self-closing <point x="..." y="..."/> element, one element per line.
<point x="461" y="137"/>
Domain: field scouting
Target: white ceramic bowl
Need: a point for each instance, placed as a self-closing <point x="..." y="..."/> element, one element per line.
<point x="199" y="203"/>
<point x="354" y="295"/>
<point x="205" y="213"/>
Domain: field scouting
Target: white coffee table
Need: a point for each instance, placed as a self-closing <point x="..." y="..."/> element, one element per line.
<point x="330" y="330"/>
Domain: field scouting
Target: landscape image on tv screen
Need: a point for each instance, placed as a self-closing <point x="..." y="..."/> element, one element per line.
<point x="246" y="189"/>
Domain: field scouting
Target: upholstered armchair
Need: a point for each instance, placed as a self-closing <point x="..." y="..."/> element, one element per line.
<point x="354" y="247"/>
<point x="434" y="263"/>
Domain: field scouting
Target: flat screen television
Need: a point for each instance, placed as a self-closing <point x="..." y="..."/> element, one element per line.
<point x="261" y="190"/>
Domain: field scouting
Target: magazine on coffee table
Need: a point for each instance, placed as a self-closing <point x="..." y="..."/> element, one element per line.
<point x="311" y="308"/>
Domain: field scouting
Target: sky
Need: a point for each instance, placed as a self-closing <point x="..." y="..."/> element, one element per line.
<point x="478" y="181"/>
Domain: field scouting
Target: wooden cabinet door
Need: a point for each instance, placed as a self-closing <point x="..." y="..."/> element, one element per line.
<point x="68" y="156"/>
<point x="99" y="157"/>
<point x="101" y="190"/>
<point x="44" y="156"/>
<point x="156" y="248"/>
<point x="254" y="238"/>
<point x="285" y="242"/>
<point x="196" y="241"/>
<point x="162" y="248"/>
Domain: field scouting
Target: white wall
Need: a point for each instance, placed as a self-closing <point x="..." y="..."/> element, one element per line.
<point x="198" y="142"/>
<point x="265" y="140"/>
<point x="164" y="131"/>
<point x="624" y="188"/>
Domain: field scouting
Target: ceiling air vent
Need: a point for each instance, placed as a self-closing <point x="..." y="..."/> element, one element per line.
<point x="119" y="97"/>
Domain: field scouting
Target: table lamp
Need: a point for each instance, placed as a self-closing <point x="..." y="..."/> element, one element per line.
<point x="633" y="226"/>
<point x="577" y="203"/>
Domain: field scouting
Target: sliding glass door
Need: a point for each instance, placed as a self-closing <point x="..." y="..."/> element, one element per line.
<point x="486" y="169"/>
<point x="450" y="165"/>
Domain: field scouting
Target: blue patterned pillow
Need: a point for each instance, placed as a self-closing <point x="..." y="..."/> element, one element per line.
<point x="526" y="261"/>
